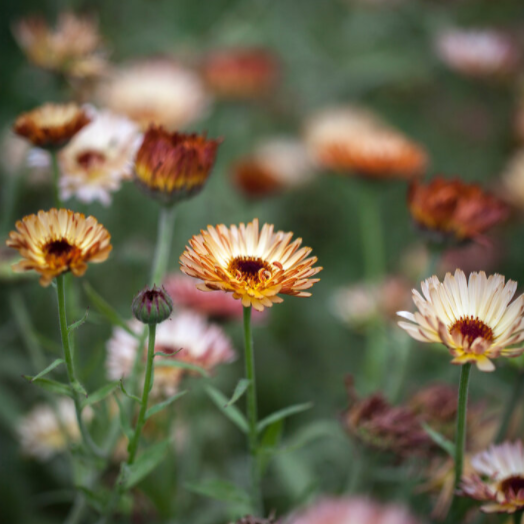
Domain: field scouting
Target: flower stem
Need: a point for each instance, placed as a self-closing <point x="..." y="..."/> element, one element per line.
<point x="76" y="388"/>
<point x="518" y="386"/>
<point x="251" y="405"/>
<point x="460" y="443"/>
<point x="148" y="382"/>
<point x="55" y="168"/>
<point x="166" y="224"/>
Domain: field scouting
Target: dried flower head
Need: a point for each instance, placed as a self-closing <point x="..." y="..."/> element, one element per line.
<point x="454" y="210"/>
<point x="351" y="510"/>
<point x="73" y="47"/>
<point x="174" y="166"/>
<point x="57" y="241"/>
<point x="256" y="266"/>
<point x="274" y="165"/>
<point x="474" y="319"/>
<point x="478" y="53"/>
<point x="99" y="158"/>
<point x="51" y="126"/>
<point x="44" y="431"/>
<point x="187" y="336"/>
<point x="156" y="91"/>
<point x="498" y="478"/>
<point x="240" y="73"/>
<point x="352" y="140"/>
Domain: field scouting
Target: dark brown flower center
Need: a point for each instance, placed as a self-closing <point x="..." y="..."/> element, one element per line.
<point x="250" y="269"/>
<point x="471" y="328"/>
<point x="90" y="159"/>
<point x="59" y="253"/>
<point x="512" y="485"/>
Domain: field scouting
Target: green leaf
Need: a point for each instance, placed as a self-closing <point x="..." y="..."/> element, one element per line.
<point x="283" y="413"/>
<point x="128" y="395"/>
<point x="310" y="433"/>
<point x="97" y="500"/>
<point x="231" y="412"/>
<point x="100" y="394"/>
<point x="107" y="310"/>
<point x="153" y="410"/>
<point x="49" y="368"/>
<point x="268" y="444"/>
<point x="145" y="464"/>
<point x="51" y="385"/>
<point x="78" y="323"/>
<point x="440" y="440"/>
<point x="124" y="419"/>
<point x="162" y="354"/>
<point x="220" y="490"/>
<point x="183" y="365"/>
<point x="241" y="388"/>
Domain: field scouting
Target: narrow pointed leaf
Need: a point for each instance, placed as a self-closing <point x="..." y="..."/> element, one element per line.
<point x="439" y="440"/>
<point x="241" y="388"/>
<point x="231" y="412"/>
<point x="182" y="365"/>
<point x="100" y="394"/>
<point x="145" y="464"/>
<point x="220" y="490"/>
<point x="78" y="323"/>
<point x="51" y="385"/>
<point x="162" y="354"/>
<point x="268" y="444"/>
<point x="283" y="413"/>
<point x="49" y="368"/>
<point x="124" y="419"/>
<point x="153" y="410"/>
<point x="128" y="395"/>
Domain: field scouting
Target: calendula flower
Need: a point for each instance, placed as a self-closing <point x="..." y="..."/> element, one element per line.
<point x="158" y="92"/>
<point x="174" y="166"/>
<point x="44" y="432"/>
<point x="98" y="158"/>
<point x="240" y="73"/>
<point x="351" y="510"/>
<point x="275" y="165"/>
<point x="352" y="140"/>
<point x="256" y="266"/>
<point x="51" y="126"/>
<point x="497" y="479"/>
<point x="478" y="53"/>
<point x="454" y="210"/>
<point x="473" y="319"/>
<point x="187" y="337"/>
<point x="73" y="47"/>
<point x="57" y="241"/>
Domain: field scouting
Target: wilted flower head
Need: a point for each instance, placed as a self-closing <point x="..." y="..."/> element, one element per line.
<point x="187" y="336"/>
<point x="174" y="166"/>
<point x="240" y="73"/>
<point x="274" y="165"/>
<point x="51" y="126"/>
<point x="351" y="511"/>
<point x="478" y="52"/>
<point x="256" y="266"/>
<point x="454" y="210"/>
<point x="73" y="47"/>
<point x="57" y="241"/>
<point x="152" y="305"/>
<point x="98" y="158"/>
<point x="474" y="319"/>
<point x="379" y="425"/>
<point x="156" y="91"/>
<point x="353" y="140"/>
<point x="497" y="479"/>
<point x="43" y="435"/>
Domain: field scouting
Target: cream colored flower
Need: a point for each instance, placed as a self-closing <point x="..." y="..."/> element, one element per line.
<point x="98" y="158"/>
<point x="473" y="319"/>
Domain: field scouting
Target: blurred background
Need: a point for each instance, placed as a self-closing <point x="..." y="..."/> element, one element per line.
<point x="379" y="54"/>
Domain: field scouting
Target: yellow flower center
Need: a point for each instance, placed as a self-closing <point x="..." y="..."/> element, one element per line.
<point x="471" y="328"/>
<point x="512" y="485"/>
<point x="60" y="253"/>
<point x="251" y="270"/>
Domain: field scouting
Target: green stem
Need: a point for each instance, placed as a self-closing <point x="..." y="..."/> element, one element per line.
<point x="68" y="357"/>
<point x="516" y="393"/>
<point x="166" y="224"/>
<point x="55" y="167"/>
<point x="460" y="444"/>
<point x="148" y="383"/>
<point x="251" y="405"/>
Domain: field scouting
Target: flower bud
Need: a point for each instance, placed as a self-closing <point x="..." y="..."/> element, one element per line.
<point x="152" y="305"/>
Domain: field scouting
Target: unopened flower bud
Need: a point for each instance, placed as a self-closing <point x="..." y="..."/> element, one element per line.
<point x="152" y="305"/>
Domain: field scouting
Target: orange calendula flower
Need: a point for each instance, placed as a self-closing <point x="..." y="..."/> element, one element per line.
<point x="174" y="166"/>
<point x="51" y="126"/>
<point x="451" y="209"/>
<point x="474" y="319"/>
<point x="56" y="241"/>
<point x="256" y="266"/>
